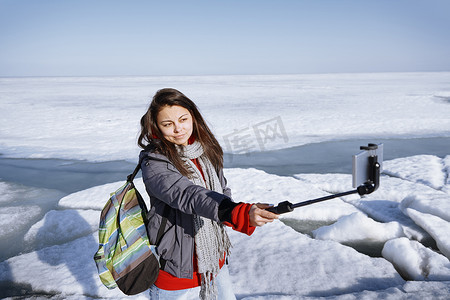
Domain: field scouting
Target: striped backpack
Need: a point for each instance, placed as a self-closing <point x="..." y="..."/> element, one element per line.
<point x="125" y="258"/>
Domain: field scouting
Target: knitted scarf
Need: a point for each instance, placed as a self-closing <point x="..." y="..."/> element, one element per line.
<point x="211" y="239"/>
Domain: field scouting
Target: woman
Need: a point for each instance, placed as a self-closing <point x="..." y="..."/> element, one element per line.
<point x="182" y="168"/>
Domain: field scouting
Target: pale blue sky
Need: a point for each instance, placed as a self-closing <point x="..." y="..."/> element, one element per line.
<point x="89" y="38"/>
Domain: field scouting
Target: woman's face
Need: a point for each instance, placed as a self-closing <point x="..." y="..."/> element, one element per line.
<point x="175" y="123"/>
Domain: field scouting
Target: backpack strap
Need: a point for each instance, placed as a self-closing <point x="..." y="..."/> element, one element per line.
<point x="136" y="170"/>
<point x="161" y="230"/>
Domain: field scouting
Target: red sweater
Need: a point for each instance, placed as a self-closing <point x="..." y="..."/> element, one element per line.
<point x="240" y="221"/>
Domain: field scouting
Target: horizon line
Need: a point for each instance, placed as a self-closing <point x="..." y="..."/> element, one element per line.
<point x="219" y="75"/>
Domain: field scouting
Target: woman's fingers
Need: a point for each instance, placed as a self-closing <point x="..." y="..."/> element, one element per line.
<point x="266" y="213"/>
<point x="263" y="205"/>
<point x="259" y="216"/>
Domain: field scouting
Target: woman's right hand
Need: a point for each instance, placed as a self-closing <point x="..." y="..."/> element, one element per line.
<point x="259" y="216"/>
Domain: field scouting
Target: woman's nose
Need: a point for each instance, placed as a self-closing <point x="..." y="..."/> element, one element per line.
<point x="177" y="127"/>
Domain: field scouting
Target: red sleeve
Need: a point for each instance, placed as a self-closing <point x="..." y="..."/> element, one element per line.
<point x="240" y="219"/>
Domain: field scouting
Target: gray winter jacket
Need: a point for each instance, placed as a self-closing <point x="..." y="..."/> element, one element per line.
<point x="165" y="185"/>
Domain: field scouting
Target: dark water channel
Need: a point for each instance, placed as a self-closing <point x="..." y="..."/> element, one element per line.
<point x="70" y="176"/>
<point x="333" y="157"/>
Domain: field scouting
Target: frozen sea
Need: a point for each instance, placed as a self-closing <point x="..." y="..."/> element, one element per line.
<point x="66" y="143"/>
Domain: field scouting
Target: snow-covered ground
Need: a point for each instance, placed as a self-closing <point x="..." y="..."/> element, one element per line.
<point x="80" y="118"/>
<point x="316" y="251"/>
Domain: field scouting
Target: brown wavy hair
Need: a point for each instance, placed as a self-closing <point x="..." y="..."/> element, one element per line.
<point x="151" y="135"/>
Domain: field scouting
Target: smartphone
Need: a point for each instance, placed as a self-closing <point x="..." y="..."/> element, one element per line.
<point x="360" y="163"/>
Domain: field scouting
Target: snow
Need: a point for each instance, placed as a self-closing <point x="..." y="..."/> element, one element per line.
<point x="426" y="169"/>
<point x="416" y="262"/>
<point x="273" y="189"/>
<point x="344" y="230"/>
<point x="48" y="238"/>
<point x="52" y="231"/>
<point x="283" y="266"/>
<point x="14" y="218"/>
<point x="60" y="117"/>
<point x="437" y="204"/>
<point x="66" y="269"/>
<point x="83" y="199"/>
<point x="435" y="226"/>
<point x="446" y="163"/>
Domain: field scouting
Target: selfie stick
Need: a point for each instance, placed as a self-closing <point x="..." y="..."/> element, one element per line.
<point x="367" y="187"/>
